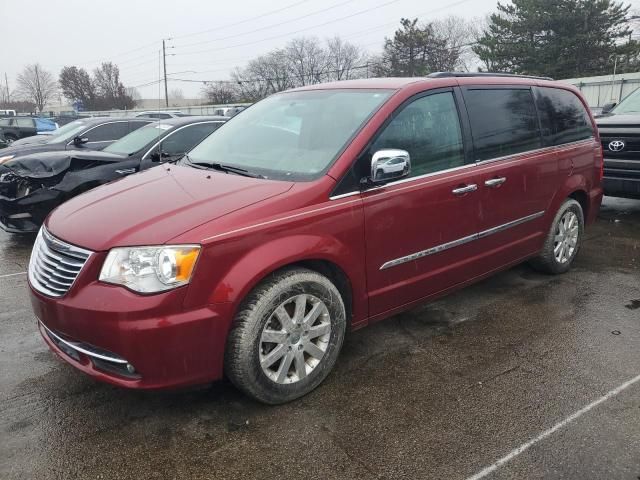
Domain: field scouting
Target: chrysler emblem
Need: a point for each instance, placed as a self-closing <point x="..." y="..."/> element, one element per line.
<point x="616" y="145"/>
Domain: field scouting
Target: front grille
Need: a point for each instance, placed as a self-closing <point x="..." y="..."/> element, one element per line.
<point x="54" y="264"/>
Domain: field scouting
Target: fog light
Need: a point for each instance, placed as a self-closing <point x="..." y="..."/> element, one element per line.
<point x="130" y="368"/>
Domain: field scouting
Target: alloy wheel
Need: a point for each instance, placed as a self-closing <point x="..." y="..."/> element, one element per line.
<point x="566" y="238"/>
<point x="295" y="339"/>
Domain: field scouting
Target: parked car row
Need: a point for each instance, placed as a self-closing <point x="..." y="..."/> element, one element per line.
<point x="34" y="184"/>
<point x="316" y="211"/>
<point x="14" y="128"/>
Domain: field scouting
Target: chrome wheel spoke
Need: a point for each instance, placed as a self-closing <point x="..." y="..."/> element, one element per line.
<point x="273" y="356"/>
<point x="557" y="249"/>
<point x="313" y="350"/>
<point x="319" y="330"/>
<point x="283" y="369"/>
<point x="274" y="336"/>
<point x="301" y="305"/>
<point x="284" y="319"/>
<point x="315" y="312"/>
<point x="301" y="365"/>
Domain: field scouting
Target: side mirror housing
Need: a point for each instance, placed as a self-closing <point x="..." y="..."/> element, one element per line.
<point x="608" y="107"/>
<point x="160" y="156"/>
<point x="388" y="165"/>
<point x="80" y="140"/>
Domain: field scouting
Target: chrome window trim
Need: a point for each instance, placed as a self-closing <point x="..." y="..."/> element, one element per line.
<point x="83" y="349"/>
<point x="460" y="241"/>
<point x="144" y="157"/>
<point x="513" y="156"/>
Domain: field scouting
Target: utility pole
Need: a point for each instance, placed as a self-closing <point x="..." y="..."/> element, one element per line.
<point x="6" y="81"/>
<point x="164" y="65"/>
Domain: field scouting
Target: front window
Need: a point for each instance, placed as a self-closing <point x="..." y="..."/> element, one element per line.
<point x="292" y="136"/>
<point x="138" y="139"/>
<point x="67" y="132"/>
<point x="630" y="104"/>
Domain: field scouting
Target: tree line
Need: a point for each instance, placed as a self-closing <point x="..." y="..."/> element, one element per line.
<point x="557" y="38"/>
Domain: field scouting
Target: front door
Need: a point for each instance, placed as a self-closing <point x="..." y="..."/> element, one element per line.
<point x="419" y="230"/>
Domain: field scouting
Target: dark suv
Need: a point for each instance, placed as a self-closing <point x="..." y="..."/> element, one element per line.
<point x="620" y="136"/>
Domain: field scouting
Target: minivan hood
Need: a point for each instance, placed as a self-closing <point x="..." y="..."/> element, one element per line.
<point x="154" y="206"/>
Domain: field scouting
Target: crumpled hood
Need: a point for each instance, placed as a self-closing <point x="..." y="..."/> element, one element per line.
<point x="154" y="206"/>
<point x="50" y="164"/>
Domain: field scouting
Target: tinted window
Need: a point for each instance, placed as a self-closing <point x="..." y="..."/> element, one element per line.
<point x="562" y="116"/>
<point x="429" y="129"/>
<point x="25" y="122"/>
<point x="188" y="137"/>
<point x="503" y="121"/>
<point x="136" y="124"/>
<point x="108" y="132"/>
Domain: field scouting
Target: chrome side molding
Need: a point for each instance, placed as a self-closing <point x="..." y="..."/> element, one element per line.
<point x="460" y="241"/>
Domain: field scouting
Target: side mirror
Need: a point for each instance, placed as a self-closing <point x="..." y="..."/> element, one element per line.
<point x="389" y="164"/>
<point x="80" y="140"/>
<point x="160" y="156"/>
<point x="608" y="107"/>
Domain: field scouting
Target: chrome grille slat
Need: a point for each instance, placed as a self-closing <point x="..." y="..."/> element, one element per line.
<point x="55" y="265"/>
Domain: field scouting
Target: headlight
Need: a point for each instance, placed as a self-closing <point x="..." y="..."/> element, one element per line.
<point x="6" y="158"/>
<point x="150" y="269"/>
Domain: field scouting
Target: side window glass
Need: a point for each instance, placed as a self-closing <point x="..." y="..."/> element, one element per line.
<point x="136" y="124"/>
<point x="4" y="122"/>
<point x="503" y="122"/>
<point x="185" y="139"/>
<point x="429" y="129"/>
<point x="108" y="132"/>
<point x="562" y="116"/>
<point x="25" y="122"/>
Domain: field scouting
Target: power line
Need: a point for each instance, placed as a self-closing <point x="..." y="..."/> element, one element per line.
<point x="272" y="12"/>
<point x="361" y="12"/>
<point x="268" y="26"/>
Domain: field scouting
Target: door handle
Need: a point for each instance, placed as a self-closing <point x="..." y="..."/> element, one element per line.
<point x="495" y="182"/>
<point x="466" y="189"/>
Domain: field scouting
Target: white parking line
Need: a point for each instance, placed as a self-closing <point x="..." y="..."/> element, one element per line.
<point x="13" y="274"/>
<point x="514" y="453"/>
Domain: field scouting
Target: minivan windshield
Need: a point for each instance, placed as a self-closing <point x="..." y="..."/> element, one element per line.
<point x="630" y="104"/>
<point x="138" y="139"/>
<point x="292" y="135"/>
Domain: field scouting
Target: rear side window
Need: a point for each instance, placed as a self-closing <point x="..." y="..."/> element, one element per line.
<point x="186" y="138"/>
<point x="25" y="122"/>
<point x="429" y="129"/>
<point x="503" y="121"/>
<point x="108" y="132"/>
<point x="562" y="116"/>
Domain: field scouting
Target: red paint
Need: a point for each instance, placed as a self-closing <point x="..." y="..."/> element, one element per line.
<point x="251" y="227"/>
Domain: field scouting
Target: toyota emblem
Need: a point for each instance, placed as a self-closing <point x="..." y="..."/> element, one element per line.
<point x="616" y="145"/>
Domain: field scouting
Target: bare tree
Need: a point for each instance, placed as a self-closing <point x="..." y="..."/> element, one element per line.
<point x="36" y="85"/>
<point x="344" y="60"/>
<point x="307" y="60"/>
<point x="219" y="93"/>
<point x="110" y="88"/>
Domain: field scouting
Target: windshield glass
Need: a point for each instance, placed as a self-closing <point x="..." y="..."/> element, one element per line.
<point x="68" y="131"/>
<point x="138" y="139"/>
<point x="293" y="136"/>
<point x="630" y="104"/>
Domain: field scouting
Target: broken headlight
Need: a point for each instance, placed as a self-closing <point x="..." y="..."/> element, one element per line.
<point x="150" y="269"/>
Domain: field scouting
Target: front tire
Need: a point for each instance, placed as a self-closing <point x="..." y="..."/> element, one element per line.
<point x="563" y="240"/>
<point x="286" y="337"/>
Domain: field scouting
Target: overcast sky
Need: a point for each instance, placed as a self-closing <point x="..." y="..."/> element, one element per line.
<point x="209" y="38"/>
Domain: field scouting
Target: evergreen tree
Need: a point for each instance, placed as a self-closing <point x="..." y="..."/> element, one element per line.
<point x="556" y="38"/>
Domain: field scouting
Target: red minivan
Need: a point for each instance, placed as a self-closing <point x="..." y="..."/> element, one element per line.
<point x="317" y="210"/>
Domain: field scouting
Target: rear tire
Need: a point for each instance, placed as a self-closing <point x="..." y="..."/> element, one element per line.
<point x="563" y="240"/>
<point x="286" y="337"/>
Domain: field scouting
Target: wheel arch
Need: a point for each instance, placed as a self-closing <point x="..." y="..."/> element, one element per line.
<point x="333" y="259"/>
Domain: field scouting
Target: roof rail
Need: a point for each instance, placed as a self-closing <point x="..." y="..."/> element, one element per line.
<point x="483" y="74"/>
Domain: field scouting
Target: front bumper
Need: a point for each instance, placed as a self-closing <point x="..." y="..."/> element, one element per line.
<point x="26" y="214"/>
<point x="134" y="341"/>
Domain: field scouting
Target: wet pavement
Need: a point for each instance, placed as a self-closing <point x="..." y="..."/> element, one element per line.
<point x="443" y="391"/>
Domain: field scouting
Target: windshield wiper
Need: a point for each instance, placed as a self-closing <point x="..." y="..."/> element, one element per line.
<point x="222" y="168"/>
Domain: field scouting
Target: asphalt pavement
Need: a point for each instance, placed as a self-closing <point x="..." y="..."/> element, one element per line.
<point x="520" y="376"/>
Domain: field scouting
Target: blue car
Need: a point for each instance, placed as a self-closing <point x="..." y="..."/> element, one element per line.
<point x="14" y="128"/>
